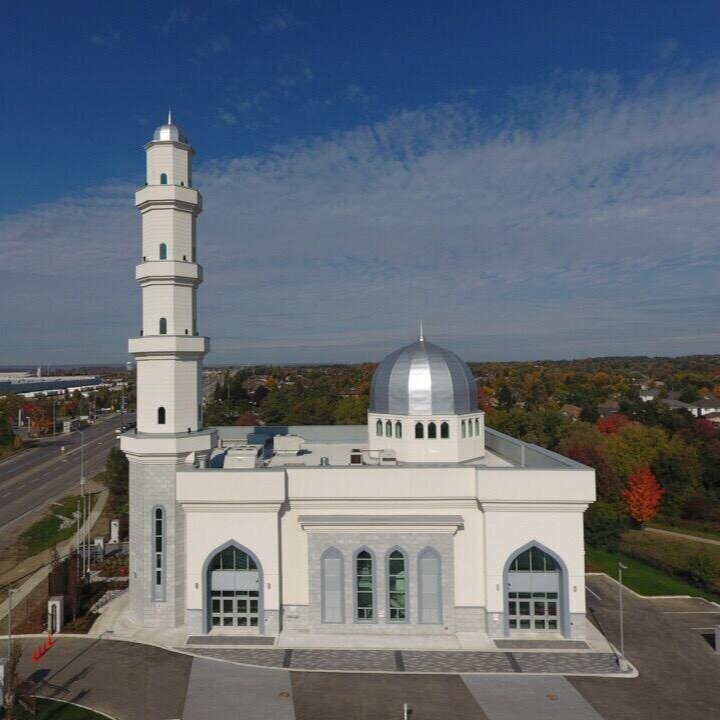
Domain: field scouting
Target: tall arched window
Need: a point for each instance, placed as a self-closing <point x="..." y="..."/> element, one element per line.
<point x="388" y="428"/>
<point x="364" y="590"/>
<point x="161" y="416"/>
<point x="333" y="602"/>
<point x="419" y="431"/>
<point x="163" y="179"/>
<point x="163" y="251"/>
<point x="533" y="591"/>
<point x="397" y="587"/>
<point x="429" y="587"/>
<point x="464" y="428"/>
<point x="163" y="326"/>
<point x="158" y="553"/>
<point x="477" y="427"/>
<point x="470" y="430"/>
<point x="444" y="430"/>
<point x="432" y="430"/>
<point x="378" y="428"/>
<point x="398" y="430"/>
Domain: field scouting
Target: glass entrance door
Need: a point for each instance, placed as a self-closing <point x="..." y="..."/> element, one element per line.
<point x="235" y="608"/>
<point x="533" y="610"/>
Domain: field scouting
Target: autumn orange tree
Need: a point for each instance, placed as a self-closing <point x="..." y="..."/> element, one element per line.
<point x="642" y="496"/>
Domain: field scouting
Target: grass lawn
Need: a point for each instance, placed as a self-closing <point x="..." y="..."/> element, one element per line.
<point x="641" y="577"/>
<point x="52" y="710"/>
<point x="46" y="533"/>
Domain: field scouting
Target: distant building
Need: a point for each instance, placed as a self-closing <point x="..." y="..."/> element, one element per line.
<point x="571" y="411"/>
<point x="30" y="385"/>
<point x="609" y="407"/>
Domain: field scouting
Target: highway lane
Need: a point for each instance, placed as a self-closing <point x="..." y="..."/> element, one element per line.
<point x="44" y="472"/>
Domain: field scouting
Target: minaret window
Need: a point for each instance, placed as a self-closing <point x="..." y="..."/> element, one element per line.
<point x="432" y="431"/>
<point x="378" y="428"/>
<point x="470" y="431"/>
<point x="158" y="553"/>
<point x="477" y="426"/>
<point x="163" y="179"/>
<point x="444" y="430"/>
<point x="464" y="428"/>
<point x="388" y="429"/>
<point x="398" y="430"/>
<point x="419" y="431"/>
<point x="161" y="416"/>
<point x="163" y="251"/>
<point x="163" y="326"/>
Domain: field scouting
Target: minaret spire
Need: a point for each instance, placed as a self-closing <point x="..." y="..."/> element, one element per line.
<point x="421" y="337"/>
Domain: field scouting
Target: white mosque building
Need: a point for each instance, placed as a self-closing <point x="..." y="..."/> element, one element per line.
<point x="424" y="522"/>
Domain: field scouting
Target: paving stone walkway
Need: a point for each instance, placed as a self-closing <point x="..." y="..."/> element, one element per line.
<point x="413" y="661"/>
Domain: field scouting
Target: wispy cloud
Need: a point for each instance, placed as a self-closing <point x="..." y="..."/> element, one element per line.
<point x="565" y="234"/>
<point x="105" y="39"/>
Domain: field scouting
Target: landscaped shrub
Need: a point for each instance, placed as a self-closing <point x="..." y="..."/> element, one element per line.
<point x="604" y="524"/>
<point x="702" y="569"/>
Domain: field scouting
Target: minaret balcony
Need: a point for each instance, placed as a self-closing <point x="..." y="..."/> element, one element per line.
<point x="153" y="272"/>
<point x="179" y="196"/>
<point x="169" y="345"/>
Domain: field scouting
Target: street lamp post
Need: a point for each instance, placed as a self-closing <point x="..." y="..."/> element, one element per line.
<point x="621" y="567"/>
<point x="83" y="506"/>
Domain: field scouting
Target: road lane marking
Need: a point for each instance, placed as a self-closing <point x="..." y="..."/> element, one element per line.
<point x="691" y="612"/>
<point x="592" y="592"/>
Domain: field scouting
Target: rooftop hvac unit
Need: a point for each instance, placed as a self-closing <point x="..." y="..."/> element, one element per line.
<point x="324" y="461"/>
<point x="356" y="457"/>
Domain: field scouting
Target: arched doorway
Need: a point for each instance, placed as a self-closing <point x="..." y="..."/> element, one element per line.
<point x="234" y="583"/>
<point x="535" y="591"/>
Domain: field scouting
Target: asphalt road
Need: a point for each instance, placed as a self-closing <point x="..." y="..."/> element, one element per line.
<point x="40" y="474"/>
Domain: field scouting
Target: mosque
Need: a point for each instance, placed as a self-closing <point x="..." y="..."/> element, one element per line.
<point x="423" y="522"/>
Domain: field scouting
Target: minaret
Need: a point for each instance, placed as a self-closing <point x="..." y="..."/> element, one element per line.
<point x="168" y="354"/>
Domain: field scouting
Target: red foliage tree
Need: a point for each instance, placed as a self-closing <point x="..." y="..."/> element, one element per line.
<point x="612" y="423"/>
<point x="642" y="496"/>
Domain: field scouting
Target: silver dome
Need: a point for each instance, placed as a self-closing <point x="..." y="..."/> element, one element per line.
<point x="423" y="379"/>
<point x="169" y="132"/>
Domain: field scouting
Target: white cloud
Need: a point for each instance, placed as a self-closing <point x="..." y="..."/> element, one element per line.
<point x="567" y="239"/>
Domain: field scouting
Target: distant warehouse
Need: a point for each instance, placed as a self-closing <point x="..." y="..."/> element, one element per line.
<point x="29" y="385"/>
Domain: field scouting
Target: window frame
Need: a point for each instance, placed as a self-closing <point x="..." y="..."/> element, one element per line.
<point x="373" y="585"/>
<point x="161" y="415"/>
<point x="162" y="326"/>
<point x="388" y="592"/>
<point x="379" y="428"/>
<point x="388" y="429"/>
<point x="432" y="431"/>
<point x="332" y="552"/>
<point x="398" y="430"/>
<point x="163" y="179"/>
<point x="419" y="431"/>
<point x="431" y="551"/>
<point x="444" y="430"/>
<point x="162" y="251"/>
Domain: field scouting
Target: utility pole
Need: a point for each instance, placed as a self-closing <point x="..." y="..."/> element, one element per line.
<point x="621" y="567"/>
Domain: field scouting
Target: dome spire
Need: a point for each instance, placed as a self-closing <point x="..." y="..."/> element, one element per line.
<point x="421" y="337"/>
<point x="169" y="115"/>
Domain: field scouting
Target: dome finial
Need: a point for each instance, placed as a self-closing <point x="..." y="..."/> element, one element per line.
<point x="169" y="115"/>
<point x="421" y="337"/>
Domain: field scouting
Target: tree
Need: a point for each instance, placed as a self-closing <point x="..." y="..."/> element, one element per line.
<point x="604" y="525"/>
<point x="678" y="470"/>
<point x="116" y="479"/>
<point x="247" y="418"/>
<point x="612" y="423"/>
<point x="642" y="496"/>
<point x="689" y="394"/>
<point x="505" y="398"/>
<point x="351" y="411"/>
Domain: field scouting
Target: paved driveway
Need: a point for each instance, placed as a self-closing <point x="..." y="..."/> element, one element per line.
<point x="679" y="672"/>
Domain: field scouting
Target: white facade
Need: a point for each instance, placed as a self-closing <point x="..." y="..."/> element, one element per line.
<point x="422" y="522"/>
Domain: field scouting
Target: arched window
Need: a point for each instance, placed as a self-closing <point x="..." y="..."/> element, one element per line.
<point x="534" y="560"/>
<point x="429" y="587"/>
<point x="163" y="326"/>
<point x="232" y="558"/>
<point x="388" y="428"/>
<point x="331" y="567"/>
<point x="397" y="587"/>
<point x="477" y="427"/>
<point x="398" y="430"/>
<point x="470" y="430"/>
<point x="163" y="179"/>
<point x="432" y="430"/>
<point x="419" y="431"/>
<point x="378" y="428"/>
<point x="364" y="590"/>
<point x="464" y="428"/>
<point x="163" y="251"/>
<point x="161" y="416"/>
<point x="444" y="430"/>
<point x="158" y="553"/>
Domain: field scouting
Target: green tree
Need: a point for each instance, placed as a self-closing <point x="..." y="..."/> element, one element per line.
<point x="604" y="524"/>
<point x="702" y="569"/>
<point x="678" y="470"/>
<point x="116" y="479"/>
<point x="351" y="411"/>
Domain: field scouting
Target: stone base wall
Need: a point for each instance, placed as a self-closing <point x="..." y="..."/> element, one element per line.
<point x="295" y="617"/>
<point x="470" y="619"/>
<point x="151" y="486"/>
<point x="496" y="626"/>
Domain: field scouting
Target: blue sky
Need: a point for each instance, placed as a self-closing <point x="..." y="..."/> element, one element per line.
<point x="534" y="180"/>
